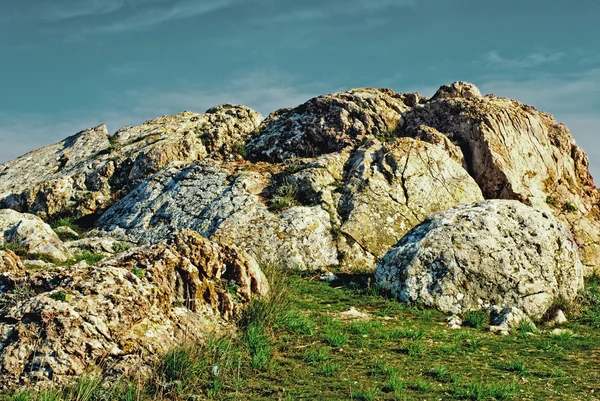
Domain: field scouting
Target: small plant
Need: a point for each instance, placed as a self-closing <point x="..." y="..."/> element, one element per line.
<point x="259" y="345"/>
<point x="550" y="200"/>
<point x="284" y="197"/>
<point x="138" y="272"/>
<point x="335" y="337"/>
<point x="569" y="207"/>
<point x="440" y="372"/>
<point x="476" y="319"/>
<point x="58" y="296"/>
<point x="480" y="391"/>
<point x="381" y="368"/>
<point x="421" y="385"/>
<point x="316" y="354"/>
<point x="240" y="149"/>
<point x="15" y="247"/>
<point x="515" y="367"/>
<point x="65" y="222"/>
<point x="414" y="348"/>
<point x="395" y="383"/>
<point x="329" y="368"/>
<point x="299" y="323"/>
<point x="365" y="395"/>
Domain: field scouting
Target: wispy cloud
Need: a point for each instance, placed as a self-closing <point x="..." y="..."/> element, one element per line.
<point x="494" y="59"/>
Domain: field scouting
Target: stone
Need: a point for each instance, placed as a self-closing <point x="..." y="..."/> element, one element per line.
<point x="558" y="319"/>
<point x="30" y="233"/>
<point x="104" y="245"/>
<point x="454" y="322"/>
<point x="514" y="151"/>
<point x="224" y="204"/>
<point x="87" y="172"/>
<point x="327" y="124"/>
<point x="9" y="263"/>
<point x="126" y="310"/>
<point x="495" y="252"/>
<point x="503" y="319"/>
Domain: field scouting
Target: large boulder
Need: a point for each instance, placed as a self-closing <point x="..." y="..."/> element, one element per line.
<point x="31" y="235"/>
<point x="328" y="123"/>
<point x="122" y="313"/>
<point x="87" y="172"/>
<point x="496" y="252"/>
<point x="514" y="151"/>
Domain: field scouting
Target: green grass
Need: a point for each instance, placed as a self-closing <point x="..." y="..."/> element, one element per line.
<point x="295" y="345"/>
<point x="476" y="319"/>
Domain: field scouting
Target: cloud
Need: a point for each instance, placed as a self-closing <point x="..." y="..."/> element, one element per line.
<point x="494" y="59"/>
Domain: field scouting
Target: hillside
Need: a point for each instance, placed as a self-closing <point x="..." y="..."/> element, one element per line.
<point x="330" y="251"/>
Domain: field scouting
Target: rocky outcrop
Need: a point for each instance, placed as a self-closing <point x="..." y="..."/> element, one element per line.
<point x="335" y="202"/>
<point x="329" y="123"/>
<point x="87" y="172"/>
<point x="121" y="314"/>
<point x="225" y="204"/>
<point x="30" y="234"/>
<point x="514" y="151"/>
<point x="495" y="252"/>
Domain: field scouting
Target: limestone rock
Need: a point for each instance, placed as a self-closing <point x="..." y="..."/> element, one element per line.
<point x="494" y="252"/>
<point x="225" y="205"/>
<point x="391" y="188"/>
<point x="328" y="123"/>
<point x="514" y="151"/>
<point x="87" y="172"/>
<point x="503" y="319"/>
<point x="105" y="245"/>
<point x="32" y="234"/>
<point x="9" y="263"/>
<point x="125" y="311"/>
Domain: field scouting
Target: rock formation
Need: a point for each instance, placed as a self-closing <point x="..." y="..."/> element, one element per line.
<point x="86" y="173"/>
<point x="120" y="314"/>
<point x="182" y="206"/>
<point x="494" y="252"/>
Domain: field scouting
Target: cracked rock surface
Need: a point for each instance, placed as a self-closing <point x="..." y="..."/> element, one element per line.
<point x="121" y="313"/>
<point x="87" y="172"/>
<point x="495" y="252"/>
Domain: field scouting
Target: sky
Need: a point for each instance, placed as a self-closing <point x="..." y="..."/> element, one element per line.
<point x="66" y="65"/>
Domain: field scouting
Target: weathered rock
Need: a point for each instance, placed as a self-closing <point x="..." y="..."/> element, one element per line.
<point x="9" y="262"/>
<point x="503" y="319"/>
<point x="328" y="123"/>
<point x="66" y="233"/>
<point x="124" y="311"/>
<point x="494" y="252"/>
<point x="225" y="205"/>
<point x="391" y="188"/>
<point x="105" y="245"/>
<point x="87" y="172"/>
<point x="29" y="232"/>
<point x="514" y="151"/>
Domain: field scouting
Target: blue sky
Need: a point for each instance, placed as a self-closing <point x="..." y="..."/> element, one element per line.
<point x="70" y="64"/>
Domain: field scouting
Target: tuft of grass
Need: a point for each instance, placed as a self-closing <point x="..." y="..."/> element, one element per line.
<point x="329" y="368"/>
<point x="285" y="196"/>
<point x="440" y="372"/>
<point x="515" y="367"/>
<point x="590" y="303"/>
<point x="259" y="344"/>
<point x="316" y="354"/>
<point x="394" y="383"/>
<point x="476" y="319"/>
<point x="15" y="247"/>
<point x="299" y="323"/>
<point x="365" y="395"/>
<point x="550" y="200"/>
<point x="336" y="337"/>
<point x="483" y="391"/>
<point x="58" y="296"/>
<point x="138" y="272"/>
<point x="569" y="207"/>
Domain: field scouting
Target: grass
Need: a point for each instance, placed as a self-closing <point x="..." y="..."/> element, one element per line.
<point x="476" y="319"/>
<point x="295" y="345"/>
<point x="284" y="197"/>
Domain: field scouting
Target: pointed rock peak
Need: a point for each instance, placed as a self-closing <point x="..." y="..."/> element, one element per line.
<point x="458" y="89"/>
<point x="101" y="128"/>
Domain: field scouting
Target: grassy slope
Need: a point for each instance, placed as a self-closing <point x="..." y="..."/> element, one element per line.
<point x="299" y="347"/>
